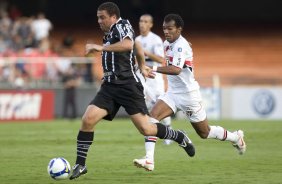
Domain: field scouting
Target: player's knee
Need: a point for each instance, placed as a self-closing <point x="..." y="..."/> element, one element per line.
<point x="145" y="130"/>
<point x="87" y="122"/>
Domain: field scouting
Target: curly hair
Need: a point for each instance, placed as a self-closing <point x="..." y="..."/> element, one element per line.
<point x="177" y="19"/>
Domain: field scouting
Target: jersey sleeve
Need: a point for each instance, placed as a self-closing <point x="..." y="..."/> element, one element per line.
<point x="124" y="30"/>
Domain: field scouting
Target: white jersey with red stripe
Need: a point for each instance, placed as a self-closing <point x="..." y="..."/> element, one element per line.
<point x="180" y="54"/>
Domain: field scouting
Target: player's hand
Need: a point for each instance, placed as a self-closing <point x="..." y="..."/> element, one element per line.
<point x="92" y="47"/>
<point x="148" y="72"/>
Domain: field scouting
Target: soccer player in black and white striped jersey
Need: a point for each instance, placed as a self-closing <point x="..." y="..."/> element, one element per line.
<point x="121" y="87"/>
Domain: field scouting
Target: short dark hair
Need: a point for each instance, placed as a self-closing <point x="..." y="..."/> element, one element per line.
<point x="177" y="19"/>
<point x="149" y="15"/>
<point x="111" y="8"/>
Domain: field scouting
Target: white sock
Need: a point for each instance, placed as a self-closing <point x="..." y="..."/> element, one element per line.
<point x="166" y="121"/>
<point x="153" y="120"/>
<point x="217" y="132"/>
<point x="150" y="142"/>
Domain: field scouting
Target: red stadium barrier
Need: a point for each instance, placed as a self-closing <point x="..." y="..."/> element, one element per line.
<point x="26" y="105"/>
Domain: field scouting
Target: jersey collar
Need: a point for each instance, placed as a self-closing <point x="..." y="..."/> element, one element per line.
<point x="180" y="36"/>
<point x="115" y="23"/>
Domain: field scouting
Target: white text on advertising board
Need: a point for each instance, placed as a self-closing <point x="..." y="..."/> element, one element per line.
<point x="20" y="106"/>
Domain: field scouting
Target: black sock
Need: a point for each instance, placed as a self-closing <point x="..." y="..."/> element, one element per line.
<point x="84" y="140"/>
<point x="168" y="133"/>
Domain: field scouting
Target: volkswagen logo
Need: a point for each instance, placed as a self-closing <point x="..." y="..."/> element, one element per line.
<point x="263" y="103"/>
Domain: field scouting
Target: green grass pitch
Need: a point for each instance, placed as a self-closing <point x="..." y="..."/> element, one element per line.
<point x="26" y="149"/>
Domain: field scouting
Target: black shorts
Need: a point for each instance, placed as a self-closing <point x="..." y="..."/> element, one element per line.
<point x="129" y="96"/>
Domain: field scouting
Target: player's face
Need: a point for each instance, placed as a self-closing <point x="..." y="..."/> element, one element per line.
<point x="145" y="24"/>
<point x="171" y="32"/>
<point x="105" y="20"/>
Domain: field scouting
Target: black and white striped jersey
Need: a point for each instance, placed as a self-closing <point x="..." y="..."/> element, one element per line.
<point x="119" y="66"/>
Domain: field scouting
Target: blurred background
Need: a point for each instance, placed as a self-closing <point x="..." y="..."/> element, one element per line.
<point x="237" y="55"/>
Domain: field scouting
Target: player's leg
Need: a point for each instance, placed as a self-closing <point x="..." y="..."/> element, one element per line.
<point x="91" y="117"/>
<point x="159" y="111"/>
<point x="159" y="130"/>
<point x="101" y="107"/>
<point x="190" y="103"/>
<point x="150" y="98"/>
<point x="135" y="106"/>
<point x="164" y="108"/>
<point x="157" y="88"/>
<point x="217" y="132"/>
<point x="147" y="161"/>
<point x="167" y="122"/>
<point x="197" y="116"/>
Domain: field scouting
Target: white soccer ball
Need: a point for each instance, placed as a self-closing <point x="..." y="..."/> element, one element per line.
<point x="58" y="168"/>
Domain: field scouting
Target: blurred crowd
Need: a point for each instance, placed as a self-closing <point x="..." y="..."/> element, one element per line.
<point x="28" y="58"/>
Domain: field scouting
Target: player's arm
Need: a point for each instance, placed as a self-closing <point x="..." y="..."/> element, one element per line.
<point x="124" y="33"/>
<point x="169" y="70"/>
<point x="121" y="46"/>
<point x="145" y="70"/>
<point x="139" y="55"/>
<point x="154" y="57"/>
<point x="176" y="62"/>
<point x="158" y="51"/>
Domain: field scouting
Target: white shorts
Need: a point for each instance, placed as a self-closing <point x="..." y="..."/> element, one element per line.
<point x="156" y="85"/>
<point x="190" y="103"/>
<point x="153" y="88"/>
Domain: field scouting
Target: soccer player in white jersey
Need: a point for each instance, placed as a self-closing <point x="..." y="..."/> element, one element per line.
<point x="183" y="91"/>
<point x="154" y="55"/>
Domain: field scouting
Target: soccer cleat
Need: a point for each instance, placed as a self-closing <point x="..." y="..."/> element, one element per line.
<point x="240" y="145"/>
<point x="187" y="145"/>
<point x="145" y="163"/>
<point x="77" y="171"/>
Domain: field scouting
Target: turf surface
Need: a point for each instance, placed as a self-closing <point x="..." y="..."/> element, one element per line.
<point x="26" y="149"/>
